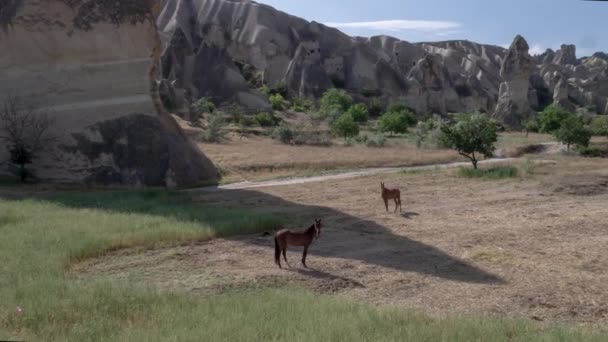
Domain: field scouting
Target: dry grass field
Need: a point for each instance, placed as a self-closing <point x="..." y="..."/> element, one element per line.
<point x="531" y="247"/>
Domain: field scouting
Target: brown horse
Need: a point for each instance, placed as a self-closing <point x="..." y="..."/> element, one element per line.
<point x="284" y="238"/>
<point x="393" y="194"/>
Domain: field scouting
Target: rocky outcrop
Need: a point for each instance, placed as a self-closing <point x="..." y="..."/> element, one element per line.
<point x="513" y="106"/>
<point x="226" y="50"/>
<point x="93" y="65"/>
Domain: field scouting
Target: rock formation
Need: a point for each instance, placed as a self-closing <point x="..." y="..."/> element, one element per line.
<point x="226" y="50"/>
<point x="94" y="65"/>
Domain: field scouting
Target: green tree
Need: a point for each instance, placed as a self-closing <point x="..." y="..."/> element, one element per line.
<point x="532" y="125"/>
<point x="276" y="101"/>
<point x="265" y="119"/>
<point x="203" y="105"/>
<point x="359" y="112"/>
<point x="572" y="131"/>
<point x="551" y="118"/>
<point x="334" y="102"/>
<point x="396" y="120"/>
<point x="345" y="126"/>
<point x="599" y="126"/>
<point x="472" y="134"/>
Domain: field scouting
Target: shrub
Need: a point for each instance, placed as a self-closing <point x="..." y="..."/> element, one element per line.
<point x="333" y="103"/>
<point x="265" y="119"/>
<point x="376" y="107"/>
<point x="203" y="105"/>
<point x="346" y="126"/>
<point x="499" y="172"/>
<point x="592" y="152"/>
<point x="396" y="120"/>
<point x="473" y="133"/>
<point x="532" y="126"/>
<point x="358" y="112"/>
<point x="572" y="131"/>
<point x="236" y="112"/>
<point x="551" y="118"/>
<point x="214" y="132"/>
<point x="276" y="101"/>
<point x="599" y="125"/>
<point x="284" y="133"/>
<point x="303" y="105"/>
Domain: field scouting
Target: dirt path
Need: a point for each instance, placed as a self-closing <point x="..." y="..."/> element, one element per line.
<point x="350" y="174"/>
<point x="532" y="247"/>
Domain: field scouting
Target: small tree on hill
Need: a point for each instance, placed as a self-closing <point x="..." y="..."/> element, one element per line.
<point x="550" y="120"/>
<point x="277" y="101"/>
<point x="359" y="112"/>
<point x="573" y="132"/>
<point x="396" y="120"/>
<point x="472" y="134"/>
<point x="24" y="129"/>
<point x="345" y="126"/>
<point x="334" y="102"/>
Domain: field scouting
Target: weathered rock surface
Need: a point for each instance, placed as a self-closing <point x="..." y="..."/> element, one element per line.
<point x="93" y="65"/>
<point x="226" y="49"/>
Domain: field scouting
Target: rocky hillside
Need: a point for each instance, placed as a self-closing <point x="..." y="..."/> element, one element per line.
<point x="93" y="66"/>
<point x="226" y="49"/>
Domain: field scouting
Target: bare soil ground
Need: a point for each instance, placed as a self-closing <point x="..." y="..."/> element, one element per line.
<point x="532" y="247"/>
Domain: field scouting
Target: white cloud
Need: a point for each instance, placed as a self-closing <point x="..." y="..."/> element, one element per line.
<point x="537" y="49"/>
<point x="430" y="26"/>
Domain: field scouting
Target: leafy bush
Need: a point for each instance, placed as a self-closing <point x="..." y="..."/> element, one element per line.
<point x="276" y="101"/>
<point x="599" y="125"/>
<point x="304" y="105"/>
<point x="279" y="88"/>
<point x="203" y="105"/>
<point x="572" y="131"/>
<point x="333" y="103"/>
<point x="284" y="133"/>
<point x="265" y="119"/>
<point x="592" y="152"/>
<point x="473" y="133"/>
<point x="532" y="126"/>
<point x="376" y="107"/>
<point x="346" y="126"/>
<point x="214" y="132"/>
<point x="550" y="120"/>
<point x="396" y="120"/>
<point x="499" y="172"/>
<point x="358" y="112"/>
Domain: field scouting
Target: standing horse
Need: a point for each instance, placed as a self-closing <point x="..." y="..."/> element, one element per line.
<point x="393" y="194"/>
<point x="284" y="238"/>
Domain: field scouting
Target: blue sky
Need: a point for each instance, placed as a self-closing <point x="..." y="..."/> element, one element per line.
<point x="544" y="23"/>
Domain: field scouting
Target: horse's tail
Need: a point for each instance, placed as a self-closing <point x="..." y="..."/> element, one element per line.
<point x="277" y="251"/>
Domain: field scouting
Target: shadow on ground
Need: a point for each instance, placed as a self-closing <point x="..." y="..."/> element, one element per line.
<point x="344" y="236"/>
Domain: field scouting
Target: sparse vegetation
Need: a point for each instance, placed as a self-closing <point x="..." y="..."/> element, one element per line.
<point x="284" y="133"/>
<point x="572" y="131"/>
<point x="214" y="132"/>
<point x="499" y="172"/>
<point x="473" y="134"/>
<point x="599" y="125"/>
<point x="266" y="119"/>
<point x="203" y="105"/>
<point x="25" y="132"/>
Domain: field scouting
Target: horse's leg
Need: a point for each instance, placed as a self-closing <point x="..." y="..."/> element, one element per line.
<point x="395" y="205"/>
<point x="386" y="203"/>
<point x="400" y="208"/>
<point x="285" y="256"/>
<point x="304" y="256"/>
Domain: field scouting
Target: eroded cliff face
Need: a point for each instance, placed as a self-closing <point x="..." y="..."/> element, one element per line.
<point x="225" y="50"/>
<point x="93" y="65"/>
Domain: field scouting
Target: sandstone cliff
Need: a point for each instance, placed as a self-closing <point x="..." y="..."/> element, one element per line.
<point x="93" y="65"/>
<point x="226" y="49"/>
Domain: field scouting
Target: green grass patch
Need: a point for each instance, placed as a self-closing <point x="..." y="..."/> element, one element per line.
<point x="41" y="237"/>
<point x="498" y="172"/>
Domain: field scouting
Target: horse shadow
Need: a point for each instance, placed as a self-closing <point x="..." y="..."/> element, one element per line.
<point x="409" y="215"/>
<point x="318" y="274"/>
